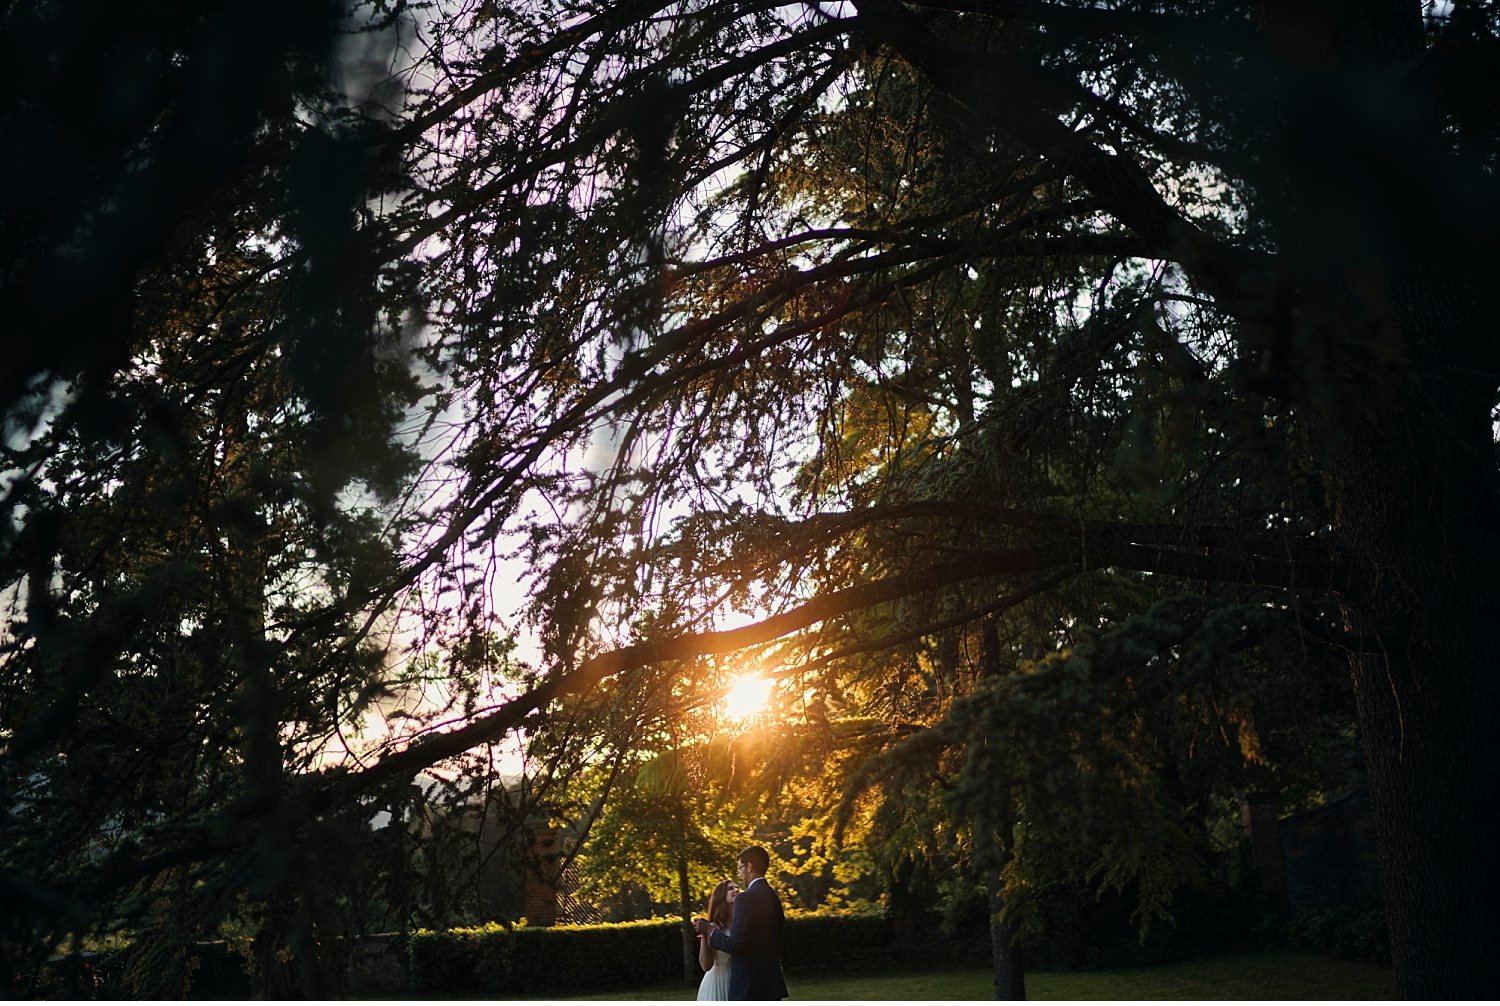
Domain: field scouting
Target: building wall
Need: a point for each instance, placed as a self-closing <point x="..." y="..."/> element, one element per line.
<point x="1329" y="854"/>
<point x="1322" y="856"/>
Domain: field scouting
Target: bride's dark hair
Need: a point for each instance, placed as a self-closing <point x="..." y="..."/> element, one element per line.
<point x="718" y="905"/>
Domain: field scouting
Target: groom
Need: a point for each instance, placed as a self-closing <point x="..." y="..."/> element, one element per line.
<point x="754" y="937"/>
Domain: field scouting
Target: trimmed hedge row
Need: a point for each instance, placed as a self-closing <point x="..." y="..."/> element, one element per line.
<point x="523" y="961"/>
<point x="492" y="960"/>
<point x="835" y="942"/>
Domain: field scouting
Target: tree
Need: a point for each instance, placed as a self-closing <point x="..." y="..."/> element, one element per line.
<point x="1180" y="303"/>
<point x="1314" y="312"/>
<point x="667" y="832"/>
<point x="200" y="475"/>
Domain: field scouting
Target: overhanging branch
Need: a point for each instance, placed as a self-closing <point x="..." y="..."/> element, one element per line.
<point x="989" y="86"/>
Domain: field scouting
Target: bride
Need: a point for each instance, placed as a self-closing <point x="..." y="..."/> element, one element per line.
<point x="716" y="963"/>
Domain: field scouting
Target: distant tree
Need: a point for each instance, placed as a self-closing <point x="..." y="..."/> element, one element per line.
<point x="667" y="830"/>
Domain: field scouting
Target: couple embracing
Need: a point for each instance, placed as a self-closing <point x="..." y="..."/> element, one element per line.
<point x="740" y="942"/>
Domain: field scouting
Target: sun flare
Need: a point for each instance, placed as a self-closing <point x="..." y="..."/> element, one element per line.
<point x="747" y="697"/>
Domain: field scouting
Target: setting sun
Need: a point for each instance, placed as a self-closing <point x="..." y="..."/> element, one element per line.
<point x="747" y="697"/>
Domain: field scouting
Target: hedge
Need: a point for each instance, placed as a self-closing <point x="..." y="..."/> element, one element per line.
<point x="493" y="960"/>
<point x="1343" y="931"/>
<point x="525" y="961"/>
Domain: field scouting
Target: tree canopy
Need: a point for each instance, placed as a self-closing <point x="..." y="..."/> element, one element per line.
<point x="1064" y="402"/>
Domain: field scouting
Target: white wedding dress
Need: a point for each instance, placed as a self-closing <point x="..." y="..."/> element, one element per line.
<point x="715" y="983"/>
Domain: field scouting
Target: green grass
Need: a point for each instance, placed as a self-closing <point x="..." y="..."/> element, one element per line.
<point x="1254" y="976"/>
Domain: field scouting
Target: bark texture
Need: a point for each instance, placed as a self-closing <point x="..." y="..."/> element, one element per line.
<point x="1387" y="355"/>
<point x="1417" y="494"/>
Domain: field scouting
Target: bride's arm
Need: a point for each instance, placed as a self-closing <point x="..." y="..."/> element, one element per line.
<point x="705" y="953"/>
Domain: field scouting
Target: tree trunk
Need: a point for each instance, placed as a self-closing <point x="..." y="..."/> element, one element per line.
<point x="1010" y="975"/>
<point x="1418" y="508"/>
<point x="1010" y="972"/>
<point x="1395" y="367"/>
<point x="1427" y="697"/>
<point x="690" y="969"/>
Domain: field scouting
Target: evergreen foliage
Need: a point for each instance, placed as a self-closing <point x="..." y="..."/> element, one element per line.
<point x="1064" y="403"/>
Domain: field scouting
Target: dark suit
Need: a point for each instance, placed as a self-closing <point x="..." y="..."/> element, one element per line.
<point x="754" y="938"/>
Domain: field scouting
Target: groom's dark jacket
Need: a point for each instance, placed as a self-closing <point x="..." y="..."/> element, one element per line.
<point x="754" y="939"/>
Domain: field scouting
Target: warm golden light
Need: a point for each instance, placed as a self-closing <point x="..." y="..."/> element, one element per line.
<point x="747" y="697"/>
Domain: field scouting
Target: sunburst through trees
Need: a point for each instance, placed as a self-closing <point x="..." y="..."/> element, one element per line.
<point x="1080" y="395"/>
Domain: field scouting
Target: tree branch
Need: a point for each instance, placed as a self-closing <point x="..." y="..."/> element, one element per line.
<point x="986" y="85"/>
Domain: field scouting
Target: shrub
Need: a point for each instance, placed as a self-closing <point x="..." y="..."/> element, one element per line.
<point x="220" y="970"/>
<point x="580" y="957"/>
<point x="211" y="970"/>
<point x="826" y="942"/>
<point x="1341" y="931"/>
<point x="493" y="959"/>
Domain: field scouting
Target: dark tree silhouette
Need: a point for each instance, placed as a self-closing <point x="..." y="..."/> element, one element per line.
<point x="895" y="317"/>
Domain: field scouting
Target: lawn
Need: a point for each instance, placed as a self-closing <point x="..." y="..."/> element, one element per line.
<point x="1254" y="976"/>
